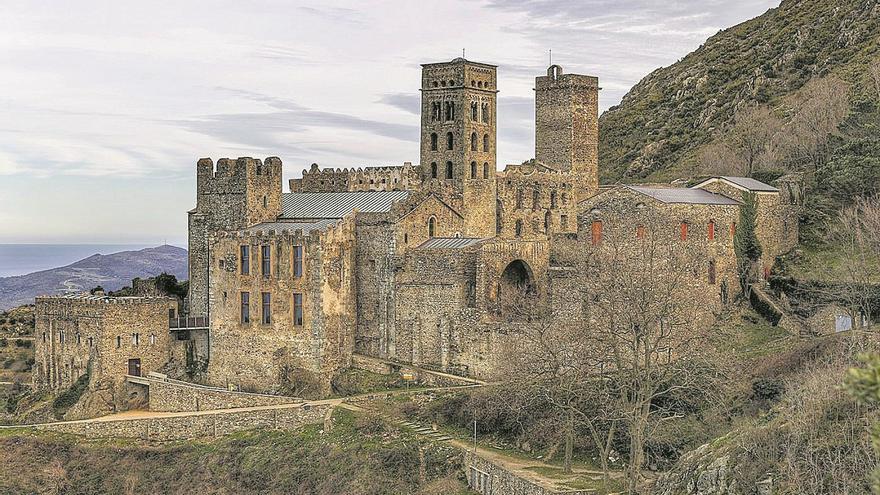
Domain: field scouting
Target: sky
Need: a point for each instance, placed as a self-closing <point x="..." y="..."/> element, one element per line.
<point x="107" y="105"/>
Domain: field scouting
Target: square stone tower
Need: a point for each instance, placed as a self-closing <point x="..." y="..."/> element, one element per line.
<point x="458" y="137"/>
<point x="567" y="126"/>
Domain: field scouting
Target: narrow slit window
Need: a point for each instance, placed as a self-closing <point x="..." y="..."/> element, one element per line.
<point x="298" y="309"/>
<point x="266" y="260"/>
<point x="267" y="307"/>
<point x="297" y="261"/>
<point x="245" y="260"/>
<point x="245" y="307"/>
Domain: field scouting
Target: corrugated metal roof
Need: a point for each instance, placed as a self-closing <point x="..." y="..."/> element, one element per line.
<point x="683" y="195"/>
<point x="291" y="226"/>
<point x="337" y="204"/>
<point x="751" y="184"/>
<point x="450" y="242"/>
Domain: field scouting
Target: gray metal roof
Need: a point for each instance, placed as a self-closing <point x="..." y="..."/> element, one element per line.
<point x="291" y="226"/>
<point x="751" y="184"/>
<point x="450" y="242"/>
<point x="683" y="195"/>
<point x="337" y="204"/>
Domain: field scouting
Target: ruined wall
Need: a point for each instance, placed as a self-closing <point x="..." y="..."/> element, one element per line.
<point x="177" y="396"/>
<point x="257" y="356"/>
<point x="541" y="200"/>
<point x="234" y="195"/>
<point x="101" y="335"/>
<point x="394" y="178"/>
<point x="195" y="425"/>
<point x="567" y="126"/>
<point x="634" y="226"/>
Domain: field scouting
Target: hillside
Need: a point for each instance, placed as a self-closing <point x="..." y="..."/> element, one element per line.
<point x="111" y="271"/>
<point x="659" y="127"/>
<point x="349" y="454"/>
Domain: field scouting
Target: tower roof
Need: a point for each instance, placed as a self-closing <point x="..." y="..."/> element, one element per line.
<point x="458" y="61"/>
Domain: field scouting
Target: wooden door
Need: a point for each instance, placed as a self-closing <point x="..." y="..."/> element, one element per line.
<point x="134" y="367"/>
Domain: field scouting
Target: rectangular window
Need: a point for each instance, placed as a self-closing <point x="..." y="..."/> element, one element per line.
<point x="596" y="231"/>
<point x="297" y="261"/>
<point x="298" y="309"/>
<point x="245" y="260"/>
<point x="640" y="232"/>
<point x="711" y="230"/>
<point x="265" y="260"/>
<point x="563" y="221"/>
<point x="245" y="307"/>
<point x="267" y="308"/>
<point x="684" y="231"/>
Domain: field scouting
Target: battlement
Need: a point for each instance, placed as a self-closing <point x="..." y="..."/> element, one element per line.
<point x="384" y="178"/>
<point x="556" y="79"/>
<point x="86" y="299"/>
<point x="239" y="167"/>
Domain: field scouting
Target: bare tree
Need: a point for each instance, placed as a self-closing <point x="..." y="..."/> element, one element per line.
<point x="816" y="114"/>
<point x="550" y="363"/>
<point x="647" y="329"/>
<point x="752" y="136"/>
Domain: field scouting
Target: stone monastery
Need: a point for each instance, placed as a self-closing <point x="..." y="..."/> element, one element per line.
<point x="406" y="264"/>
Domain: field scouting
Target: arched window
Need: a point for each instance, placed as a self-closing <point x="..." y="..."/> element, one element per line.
<point x="711" y="272"/>
<point x="485" y="142"/>
<point x="547" y="221"/>
<point x="519" y="228"/>
<point x="432" y="226"/>
<point x="711" y="230"/>
<point x="450" y="141"/>
<point x="486" y="170"/>
<point x="519" y="198"/>
<point x="448" y="170"/>
<point x="536" y="202"/>
<point x="485" y="112"/>
<point x="474" y="111"/>
<point x="433" y="170"/>
<point x="552" y="199"/>
<point x="450" y="110"/>
<point x="473" y="141"/>
<point x="433" y="141"/>
<point x="473" y="170"/>
<point x="596" y="231"/>
<point x="684" y="231"/>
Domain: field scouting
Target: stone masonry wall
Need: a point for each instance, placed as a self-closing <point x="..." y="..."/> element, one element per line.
<point x="185" y="426"/>
<point x="396" y="178"/>
<point x="487" y="478"/>
<point x="176" y="396"/>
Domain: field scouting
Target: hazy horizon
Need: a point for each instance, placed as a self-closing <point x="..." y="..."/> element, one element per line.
<point x="108" y="105"/>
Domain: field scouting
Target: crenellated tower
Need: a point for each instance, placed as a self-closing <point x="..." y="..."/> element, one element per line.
<point x="235" y="194"/>
<point x="567" y="127"/>
<point x="458" y="137"/>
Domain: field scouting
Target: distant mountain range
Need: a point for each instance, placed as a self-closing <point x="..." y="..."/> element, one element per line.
<point x="110" y="271"/>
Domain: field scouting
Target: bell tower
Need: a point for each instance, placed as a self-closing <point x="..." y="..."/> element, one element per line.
<point x="458" y="136"/>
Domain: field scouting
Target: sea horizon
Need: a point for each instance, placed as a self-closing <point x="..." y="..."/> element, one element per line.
<point x="24" y="258"/>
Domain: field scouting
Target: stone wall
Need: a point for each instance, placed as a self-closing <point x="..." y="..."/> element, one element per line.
<point x="535" y="202"/>
<point x="183" y="426"/>
<point x="254" y="355"/>
<point x="177" y="396"/>
<point x="395" y="178"/>
<point x="487" y="478"/>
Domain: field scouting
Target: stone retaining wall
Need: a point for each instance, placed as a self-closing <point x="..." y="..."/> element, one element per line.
<point x="422" y="376"/>
<point x="176" y="396"/>
<point x="197" y="425"/>
<point x="487" y="478"/>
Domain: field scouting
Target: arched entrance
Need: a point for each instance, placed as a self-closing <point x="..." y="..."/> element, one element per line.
<point x="516" y="288"/>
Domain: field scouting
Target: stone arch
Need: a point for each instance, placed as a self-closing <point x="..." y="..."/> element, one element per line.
<point x="515" y="287"/>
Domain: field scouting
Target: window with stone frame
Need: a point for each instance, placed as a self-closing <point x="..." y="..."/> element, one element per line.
<point x="450" y="141"/>
<point x="265" y="261"/>
<point x="433" y="170"/>
<point x="485" y="112"/>
<point x="563" y="221"/>
<point x="297" y="309"/>
<point x="474" y="111"/>
<point x="449" y="172"/>
<point x="266" y="300"/>
<point x="640" y="232"/>
<point x="596" y="231"/>
<point x="486" y="170"/>
<point x="245" y="307"/>
<point x="433" y="141"/>
<point x="485" y="142"/>
<point x="711" y="274"/>
<point x="432" y="226"/>
<point x="245" y="252"/>
<point x="710" y="230"/>
<point x="683" y="231"/>
<point x="473" y="170"/>
<point x="474" y="142"/>
<point x="297" y="261"/>
<point x="519" y="198"/>
<point x="518" y="228"/>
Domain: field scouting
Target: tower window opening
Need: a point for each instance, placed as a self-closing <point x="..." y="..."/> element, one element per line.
<point x="485" y="112"/>
<point x="450" y="141"/>
<point x="552" y="199"/>
<point x="450" y="110"/>
<point x="433" y="170"/>
<point x="547" y="221"/>
<point x="485" y="142"/>
<point x="474" y="111"/>
<point x="449" y="170"/>
<point x="473" y="170"/>
<point x="536" y="199"/>
<point x="473" y="141"/>
<point x="433" y="141"/>
<point x="518" y="228"/>
<point x="486" y="170"/>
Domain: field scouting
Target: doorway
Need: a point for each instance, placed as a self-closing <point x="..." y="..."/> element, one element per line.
<point x="134" y="367"/>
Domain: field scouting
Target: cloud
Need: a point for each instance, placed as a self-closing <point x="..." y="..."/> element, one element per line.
<point x="408" y="102"/>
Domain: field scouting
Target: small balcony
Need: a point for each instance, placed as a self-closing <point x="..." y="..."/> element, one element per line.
<point x="188" y="323"/>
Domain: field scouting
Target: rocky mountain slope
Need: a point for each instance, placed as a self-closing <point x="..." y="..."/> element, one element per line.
<point x="111" y="272"/>
<point x="665" y="119"/>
